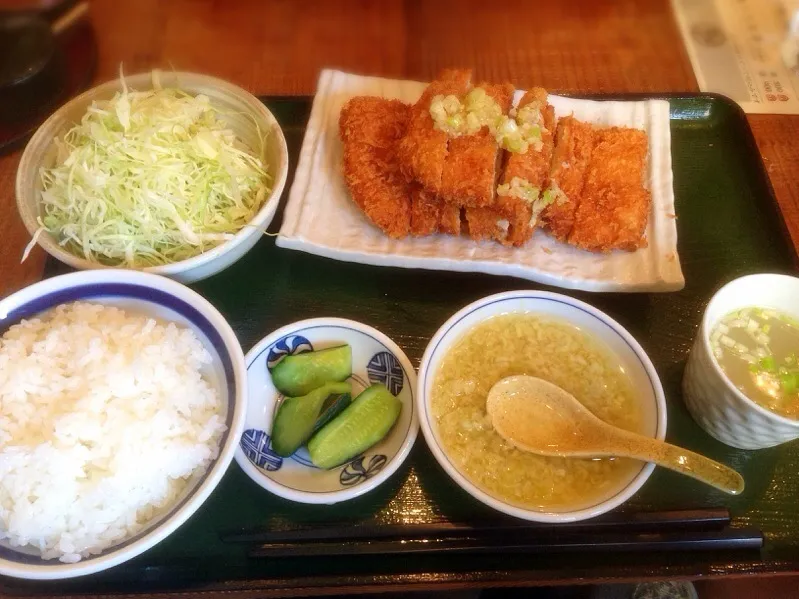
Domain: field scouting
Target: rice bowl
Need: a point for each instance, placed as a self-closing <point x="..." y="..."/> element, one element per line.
<point x="118" y="468"/>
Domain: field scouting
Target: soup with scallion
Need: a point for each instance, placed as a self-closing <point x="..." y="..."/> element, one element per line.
<point x="554" y="350"/>
<point x="757" y="349"/>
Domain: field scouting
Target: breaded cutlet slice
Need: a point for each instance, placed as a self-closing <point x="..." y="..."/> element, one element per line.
<point x="430" y="215"/>
<point x="574" y="142"/>
<point x="450" y="221"/>
<point x="532" y="166"/>
<point x="370" y="128"/>
<point x="423" y="149"/>
<point x="472" y="165"/>
<point x="487" y="223"/>
<point x="615" y="205"/>
<point x="425" y="211"/>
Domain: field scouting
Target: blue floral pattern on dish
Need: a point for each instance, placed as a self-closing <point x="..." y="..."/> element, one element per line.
<point x="385" y="368"/>
<point x="256" y="446"/>
<point x="287" y="346"/>
<point x="355" y="472"/>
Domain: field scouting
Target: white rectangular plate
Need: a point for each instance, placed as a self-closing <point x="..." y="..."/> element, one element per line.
<point x="321" y="218"/>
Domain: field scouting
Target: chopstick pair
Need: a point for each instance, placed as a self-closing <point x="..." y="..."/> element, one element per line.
<point x="679" y="530"/>
<point x="716" y="540"/>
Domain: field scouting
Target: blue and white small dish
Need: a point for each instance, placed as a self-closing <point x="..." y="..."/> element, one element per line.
<point x="375" y="359"/>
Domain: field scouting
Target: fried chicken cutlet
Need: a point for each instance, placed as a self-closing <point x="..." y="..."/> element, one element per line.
<point x="592" y="178"/>
<point x="449" y="221"/>
<point x="425" y="211"/>
<point x="370" y="129"/>
<point x="615" y="206"/>
<point x="472" y="165"/>
<point x="531" y="170"/>
<point x="423" y="149"/>
<point x="514" y="213"/>
<point x="574" y="142"/>
<point x="430" y="215"/>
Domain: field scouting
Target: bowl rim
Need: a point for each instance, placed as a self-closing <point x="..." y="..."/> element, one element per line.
<point x="704" y="335"/>
<point x="331" y="497"/>
<point x="254" y="226"/>
<point x="445" y="332"/>
<point x="56" y="570"/>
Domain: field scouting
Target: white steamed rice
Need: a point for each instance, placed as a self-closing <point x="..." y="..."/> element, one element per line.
<point x="104" y="415"/>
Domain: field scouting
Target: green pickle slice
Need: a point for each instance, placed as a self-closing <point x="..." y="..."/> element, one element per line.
<point x="297" y="417"/>
<point x="302" y="373"/>
<point x="365" y="422"/>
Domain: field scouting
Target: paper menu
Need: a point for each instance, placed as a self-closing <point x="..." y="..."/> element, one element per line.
<point x="739" y="48"/>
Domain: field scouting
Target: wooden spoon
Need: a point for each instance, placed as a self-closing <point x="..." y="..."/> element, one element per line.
<point x="539" y="417"/>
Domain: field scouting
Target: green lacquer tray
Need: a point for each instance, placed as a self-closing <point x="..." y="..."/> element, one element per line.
<point x="728" y="224"/>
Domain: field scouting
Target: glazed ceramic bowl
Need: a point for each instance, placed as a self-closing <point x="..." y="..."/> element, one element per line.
<point x="598" y="325"/>
<point x="375" y="359"/>
<point x="716" y="404"/>
<point x="242" y="112"/>
<point x="168" y="301"/>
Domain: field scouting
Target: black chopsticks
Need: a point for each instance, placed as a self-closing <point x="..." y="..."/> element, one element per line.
<point x="715" y="540"/>
<point x="678" y="530"/>
<point x="703" y="519"/>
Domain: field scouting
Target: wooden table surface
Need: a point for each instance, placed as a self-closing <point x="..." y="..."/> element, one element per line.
<point x="279" y="47"/>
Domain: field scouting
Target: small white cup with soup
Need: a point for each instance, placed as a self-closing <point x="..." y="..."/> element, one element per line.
<point x="716" y="403"/>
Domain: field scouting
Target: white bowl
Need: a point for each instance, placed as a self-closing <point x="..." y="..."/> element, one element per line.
<point x="241" y="110"/>
<point x="716" y="404"/>
<point x="375" y="359"/>
<point x="169" y="301"/>
<point x="597" y="324"/>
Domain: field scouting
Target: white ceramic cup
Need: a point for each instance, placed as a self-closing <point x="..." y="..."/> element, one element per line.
<point x="716" y="404"/>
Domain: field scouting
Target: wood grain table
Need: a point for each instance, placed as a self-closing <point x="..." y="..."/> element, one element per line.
<point x="279" y="47"/>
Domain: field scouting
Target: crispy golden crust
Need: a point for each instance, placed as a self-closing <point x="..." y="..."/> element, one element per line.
<point x="449" y="220"/>
<point x="471" y="168"/>
<point x="487" y="223"/>
<point x="615" y="205"/>
<point x="425" y="212"/>
<point x="532" y="166"/>
<point x="363" y="120"/>
<point x="370" y="129"/>
<point x="573" y="144"/>
<point x="423" y="149"/>
<point x="600" y="171"/>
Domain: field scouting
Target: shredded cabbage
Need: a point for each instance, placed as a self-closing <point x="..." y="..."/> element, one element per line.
<point x="149" y="178"/>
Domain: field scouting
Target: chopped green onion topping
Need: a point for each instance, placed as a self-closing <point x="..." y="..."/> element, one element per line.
<point x="477" y="110"/>
<point x="789" y="382"/>
<point x="768" y="364"/>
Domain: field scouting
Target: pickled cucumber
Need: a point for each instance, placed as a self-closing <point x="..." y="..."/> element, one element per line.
<point x="334" y="406"/>
<point x="302" y="373"/>
<point x="296" y="417"/>
<point x="365" y="422"/>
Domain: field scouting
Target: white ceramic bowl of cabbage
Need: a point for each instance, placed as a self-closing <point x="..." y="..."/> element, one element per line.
<point x="209" y="241"/>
